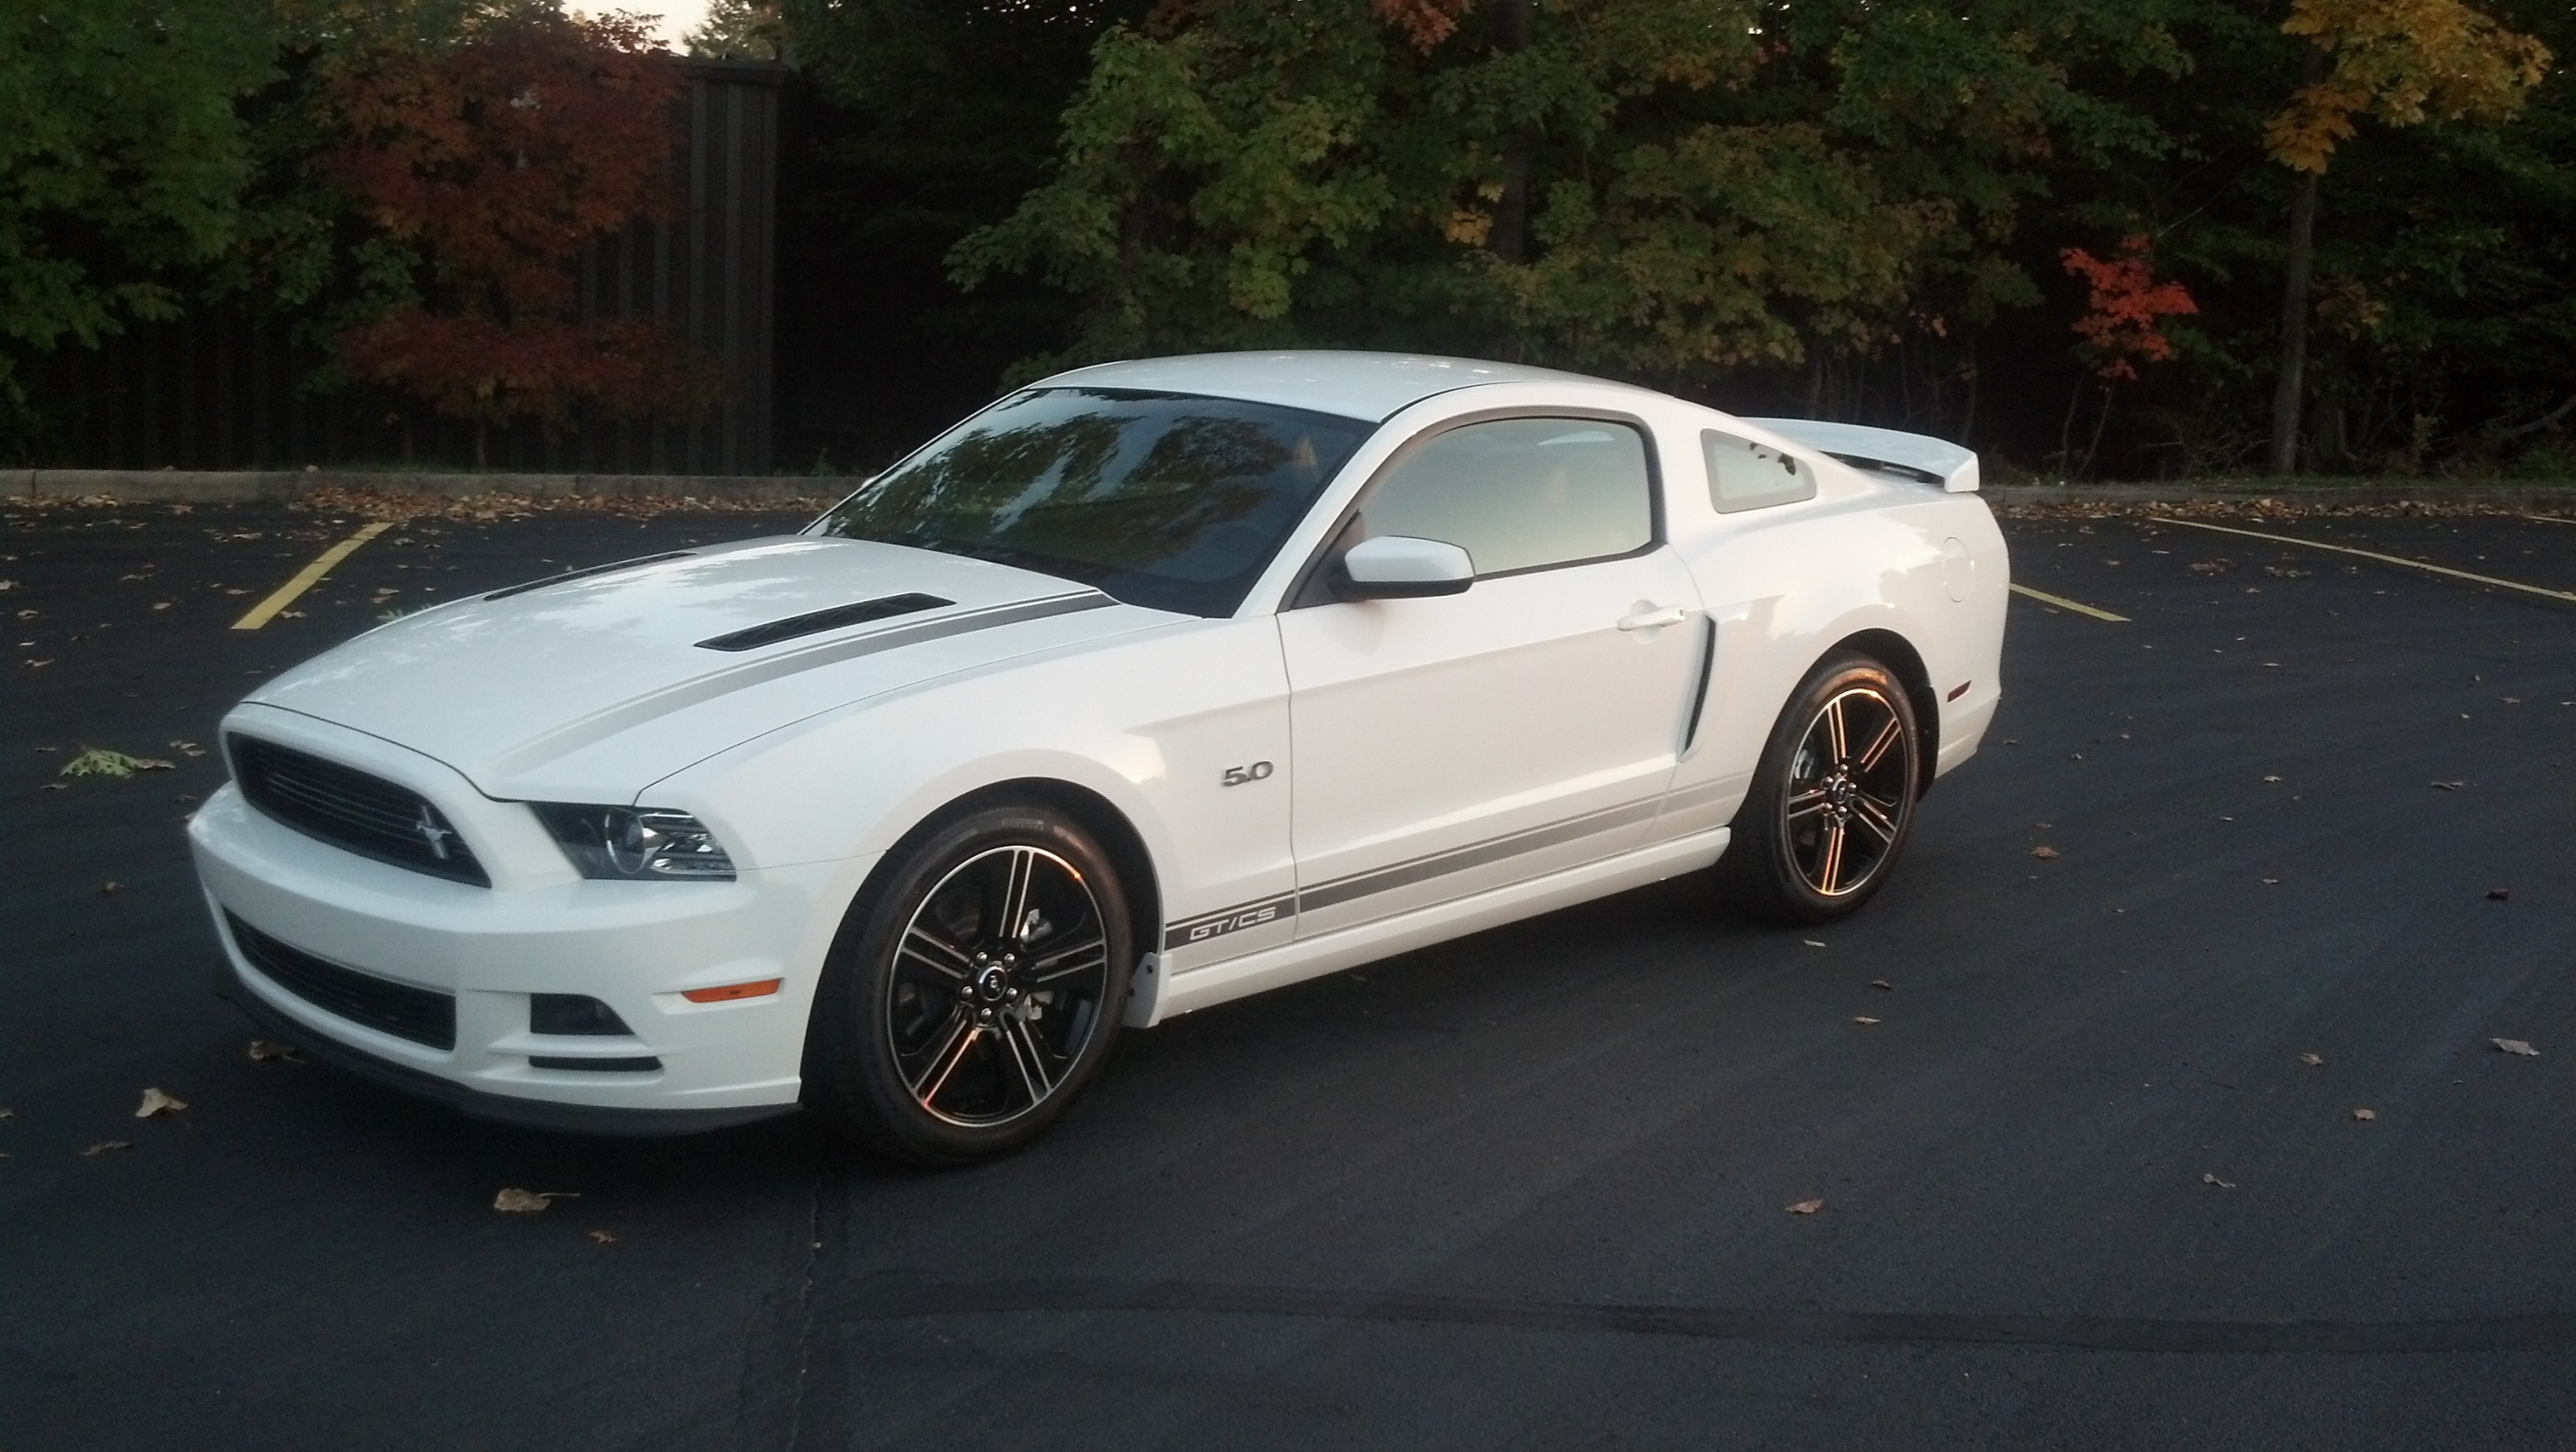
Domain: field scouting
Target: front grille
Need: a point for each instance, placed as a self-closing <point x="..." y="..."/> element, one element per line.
<point x="350" y="809"/>
<point x="422" y="1015"/>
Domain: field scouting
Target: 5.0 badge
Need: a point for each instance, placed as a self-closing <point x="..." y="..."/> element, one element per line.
<point x="1238" y="775"/>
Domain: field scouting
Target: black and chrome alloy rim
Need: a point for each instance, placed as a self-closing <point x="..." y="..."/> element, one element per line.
<point x="1850" y="786"/>
<point x="997" y="986"/>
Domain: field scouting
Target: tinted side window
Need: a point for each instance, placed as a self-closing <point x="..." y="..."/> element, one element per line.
<point x="1744" y="475"/>
<point x="1522" y="493"/>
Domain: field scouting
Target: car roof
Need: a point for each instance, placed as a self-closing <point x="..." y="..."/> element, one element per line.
<point x="1371" y="386"/>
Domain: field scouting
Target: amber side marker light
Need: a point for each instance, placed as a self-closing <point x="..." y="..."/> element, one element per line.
<point x="732" y="991"/>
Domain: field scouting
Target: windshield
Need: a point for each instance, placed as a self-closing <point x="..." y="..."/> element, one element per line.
<point x="1159" y="499"/>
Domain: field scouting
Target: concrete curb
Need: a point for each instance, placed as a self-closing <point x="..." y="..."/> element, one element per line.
<point x="143" y="486"/>
<point x="140" y="485"/>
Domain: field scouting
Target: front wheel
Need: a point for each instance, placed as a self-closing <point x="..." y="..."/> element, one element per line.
<point x="974" y="990"/>
<point x="1832" y="801"/>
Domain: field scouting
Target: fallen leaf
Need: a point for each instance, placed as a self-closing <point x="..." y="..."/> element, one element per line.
<point x="98" y="761"/>
<point x="602" y="1237"/>
<point x="2044" y="853"/>
<point x="156" y="1104"/>
<point x="110" y="888"/>
<point x="2313" y="1061"/>
<point x="1807" y="1207"/>
<point x="2207" y="1178"/>
<point x="2499" y="894"/>
<point x="2209" y="567"/>
<point x="54" y="786"/>
<point x="8" y="1114"/>
<point x="106" y="1145"/>
<point x="2516" y="1046"/>
<point x="1864" y="1019"/>
<point x="1811" y="942"/>
<point x="2448" y="786"/>
<point x="2271" y="778"/>
<point x="514" y="1201"/>
<point x="1882" y="984"/>
<point x="264" y="1052"/>
<point x="2365" y="1115"/>
<point x="2271" y="882"/>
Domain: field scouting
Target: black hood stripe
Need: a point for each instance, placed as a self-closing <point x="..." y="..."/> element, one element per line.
<point x="815" y="622"/>
<point x="724" y="680"/>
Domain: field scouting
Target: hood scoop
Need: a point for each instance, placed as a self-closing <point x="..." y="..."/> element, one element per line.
<point x="815" y="622"/>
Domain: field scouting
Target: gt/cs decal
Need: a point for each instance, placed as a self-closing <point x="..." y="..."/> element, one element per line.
<point x="1238" y="775"/>
<point x="1203" y="931"/>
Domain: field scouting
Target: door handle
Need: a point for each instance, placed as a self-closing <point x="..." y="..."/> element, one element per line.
<point x="1654" y="619"/>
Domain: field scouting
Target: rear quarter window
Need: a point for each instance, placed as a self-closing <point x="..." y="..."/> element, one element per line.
<point x="1745" y="475"/>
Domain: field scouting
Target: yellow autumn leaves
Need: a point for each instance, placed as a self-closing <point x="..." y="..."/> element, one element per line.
<point x="2404" y="61"/>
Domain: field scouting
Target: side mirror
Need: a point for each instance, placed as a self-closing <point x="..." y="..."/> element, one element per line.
<point x="1400" y="567"/>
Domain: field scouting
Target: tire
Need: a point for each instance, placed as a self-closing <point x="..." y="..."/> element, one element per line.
<point x="1832" y="801"/>
<point x="973" y="990"/>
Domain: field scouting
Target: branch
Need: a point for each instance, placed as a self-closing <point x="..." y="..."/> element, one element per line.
<point x="2536" y="425"/>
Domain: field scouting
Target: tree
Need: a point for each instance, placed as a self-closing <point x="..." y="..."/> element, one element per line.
<point x="739" y="30"/>
<point x="122" y="161"/>
<point x="2121" y="327"/>
<point x="489" y="166"/>
<point x="929" y="119"/>
<point x="2405" y="62"/>
<point x="1664" y="189"/>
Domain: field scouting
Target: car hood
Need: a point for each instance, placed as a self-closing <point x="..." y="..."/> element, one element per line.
<point x="623" y="675"/>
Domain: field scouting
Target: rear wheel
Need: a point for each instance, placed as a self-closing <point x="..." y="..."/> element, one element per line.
<point x="974" y="992"/>
<point x="1832" y="801"/>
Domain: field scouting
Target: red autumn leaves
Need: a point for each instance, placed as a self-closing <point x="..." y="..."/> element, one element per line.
<point x="492" y="164"/>
<point x="2119" y="324"/>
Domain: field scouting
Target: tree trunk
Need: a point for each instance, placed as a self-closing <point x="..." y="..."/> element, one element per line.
<point x="2066" y="431"/>
<point x="2099" y="420"/>
<point x="1510" y="240"/>
<point x="2290" y="393"/>
<point x="1968" y="421"/>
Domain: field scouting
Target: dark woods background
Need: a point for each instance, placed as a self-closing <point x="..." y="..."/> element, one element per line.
<point x="1865" y="212"/>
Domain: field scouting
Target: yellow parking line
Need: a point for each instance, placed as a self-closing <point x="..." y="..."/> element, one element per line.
<point x="2375" y="555"/>
<point x="2062" y="603"/>
<point x="306" y="578"/>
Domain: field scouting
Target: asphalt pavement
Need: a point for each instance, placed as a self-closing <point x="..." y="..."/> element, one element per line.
<point x="2079" y="1094"/>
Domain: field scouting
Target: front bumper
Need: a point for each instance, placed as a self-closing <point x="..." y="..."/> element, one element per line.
<point x="633" y="946"/>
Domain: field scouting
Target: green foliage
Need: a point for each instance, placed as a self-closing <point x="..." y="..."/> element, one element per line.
<point x="739" y="30"/>
<point x="1710" y="187"/>
<point x="122" y="160"/>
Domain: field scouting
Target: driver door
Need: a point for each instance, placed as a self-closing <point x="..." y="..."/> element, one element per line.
<point x="1457" y="743"/>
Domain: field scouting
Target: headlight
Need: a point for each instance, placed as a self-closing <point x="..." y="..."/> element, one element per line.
<point x="635" y="844"/>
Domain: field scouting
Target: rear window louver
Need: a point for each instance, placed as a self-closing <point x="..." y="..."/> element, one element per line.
<point x="584" y="574"/>
<point x="815" y="622"/>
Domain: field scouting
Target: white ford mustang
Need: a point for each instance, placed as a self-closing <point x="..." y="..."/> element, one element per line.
<point x="1150" y="686"/>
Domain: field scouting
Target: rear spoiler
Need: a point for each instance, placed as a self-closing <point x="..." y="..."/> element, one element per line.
<point x="1934" y="461"/>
